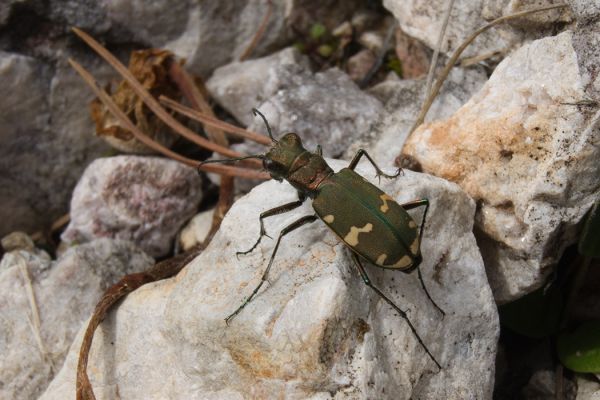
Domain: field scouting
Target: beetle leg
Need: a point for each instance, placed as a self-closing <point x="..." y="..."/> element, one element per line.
<point x="409" y="206"/>
<point x="269" y="213"/>
<point x="294" y="225"/>
<point x="362" y="152"/>
<point x="319" y="150"/>
<point x="367" y="281"/>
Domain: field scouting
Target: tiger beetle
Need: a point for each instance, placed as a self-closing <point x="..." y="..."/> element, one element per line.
<point x="371" y="223"/>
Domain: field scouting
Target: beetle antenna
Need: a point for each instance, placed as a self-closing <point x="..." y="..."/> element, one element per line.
<point x="225" y="160"/>
<point x="256" y="112"/>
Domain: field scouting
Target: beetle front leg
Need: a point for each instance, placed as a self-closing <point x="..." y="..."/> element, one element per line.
<point x="269" y="213"/>
<point x="362" y="152"/>
<point x="367" y="281"/>
<point x="409" y="206"/>
<point x="294" y="225"/>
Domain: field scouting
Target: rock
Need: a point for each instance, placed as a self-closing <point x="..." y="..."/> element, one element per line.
<point x="241" y="86"/>
<point x="525" y="151"/>
<point x="493" y="9"/>
<point x="587" y="389"/>
<point x="424" y="19"/>
<point x="413" y="54"/>
<point x="585" y="11"/>
<point x="196" y="230"/>
<point x="542" y="385"/>
<point x="222" y="30"/>
<point x="325" y="108"/>
<point x="316" y="331"/>
<point x="45" y="140"/>
<point x="18" y="241"/>
<point x="33" y="348"/>
<point x="359" y="65"/>
<point x="142" y="199"/>
<point x="403" y="100"/>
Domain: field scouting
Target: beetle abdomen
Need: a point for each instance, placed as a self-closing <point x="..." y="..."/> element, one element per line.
<point x="373" y="224"/>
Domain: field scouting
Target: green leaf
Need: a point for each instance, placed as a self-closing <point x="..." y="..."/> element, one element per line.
<point x="394" y="64"/>
<point x="317" y="30"/>
<point x="535" y="315"/>
<point x="325" y="50"/>
<point x="589" y="242"/>
<point x="580" y="350"/>
<point x="301" y="47"/>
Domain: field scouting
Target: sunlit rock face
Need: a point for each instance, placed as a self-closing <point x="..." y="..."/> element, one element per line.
<point x="526" y="149"/>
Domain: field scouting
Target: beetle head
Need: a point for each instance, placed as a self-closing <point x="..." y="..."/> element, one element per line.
<point x="279" y="159"/>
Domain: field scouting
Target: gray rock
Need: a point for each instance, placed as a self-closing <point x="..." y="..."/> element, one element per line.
<point x="325" y="108"/>
<point x="64" y="294"/>
<point x="316" y="331"/>
<point x="525" y="148"/>
<point x="424" y="19"/>
<point x="46" y="139"/>
<point x="142" y="199"/>
<point x="210" y="34"/>
<point x="241" y="86"/>
<point x="585" y="11"/>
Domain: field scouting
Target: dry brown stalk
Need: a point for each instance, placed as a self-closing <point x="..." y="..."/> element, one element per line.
<point x="127" y="284"/>
<point x="259" y="32"/>
<point x="114" y="109"/>
<point x="149" y="100"/>
<point x="212" y="121"/>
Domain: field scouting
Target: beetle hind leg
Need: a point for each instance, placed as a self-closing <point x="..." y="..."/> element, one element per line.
<point x="367" y="281"/>
<point x="409" y="206"/>
<point x="294" y="225"/>
<point x="362" y="152"/>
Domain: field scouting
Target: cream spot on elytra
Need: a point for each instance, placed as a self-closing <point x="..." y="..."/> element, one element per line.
<point x="329" y="218"/>
<point x="385" y="198"/>
<point x="381" y="259"/>
<point x="403" y="262"/>
<point x="414" y="247"/>
<point x="352" y="236"/>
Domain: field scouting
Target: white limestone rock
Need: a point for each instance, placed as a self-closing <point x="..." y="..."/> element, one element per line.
<point x="142" y="199"/>
<point x="64" y="294"/>
<point x="315" y="331"/>
<point x="196" y="230"/>
<point x="403" y="100"/>
<point x="526" y="149"/>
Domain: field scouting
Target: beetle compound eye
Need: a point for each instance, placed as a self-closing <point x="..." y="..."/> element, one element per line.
<point x="276" y="169"/>
<point x="267" y="162"/>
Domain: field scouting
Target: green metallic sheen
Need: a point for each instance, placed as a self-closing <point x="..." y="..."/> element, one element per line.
<point x="355" y="202"/>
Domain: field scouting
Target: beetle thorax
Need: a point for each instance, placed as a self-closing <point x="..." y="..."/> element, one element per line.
<point x="289" y="160"/>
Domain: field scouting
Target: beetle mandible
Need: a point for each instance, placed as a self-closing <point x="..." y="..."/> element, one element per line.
<point x="372" y="224"/>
